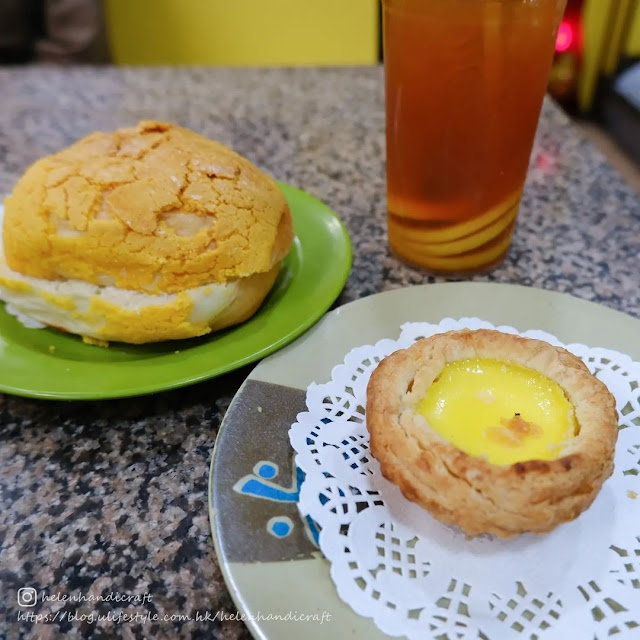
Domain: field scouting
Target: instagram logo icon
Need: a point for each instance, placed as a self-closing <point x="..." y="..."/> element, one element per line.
<point x="27" y="597"/>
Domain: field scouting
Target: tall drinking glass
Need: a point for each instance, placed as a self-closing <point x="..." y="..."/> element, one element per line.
<point x="465" y="80"/>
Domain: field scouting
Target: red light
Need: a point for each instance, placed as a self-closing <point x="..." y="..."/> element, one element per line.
<point x="565" y="37"/>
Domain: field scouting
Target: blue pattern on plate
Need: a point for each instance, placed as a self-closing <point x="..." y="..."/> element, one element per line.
<point x="258" y="485"/>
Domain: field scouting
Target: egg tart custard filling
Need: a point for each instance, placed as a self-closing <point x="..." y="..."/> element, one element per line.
<point x="499" y="410"/>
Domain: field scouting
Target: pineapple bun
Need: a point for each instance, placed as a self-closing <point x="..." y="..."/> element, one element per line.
<point x="145" y="234"/>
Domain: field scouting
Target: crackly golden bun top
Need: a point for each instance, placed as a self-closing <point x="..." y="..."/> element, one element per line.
<point x="154" y="208"/>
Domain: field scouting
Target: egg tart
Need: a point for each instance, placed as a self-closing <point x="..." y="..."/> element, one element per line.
<point x="492" y="432"/>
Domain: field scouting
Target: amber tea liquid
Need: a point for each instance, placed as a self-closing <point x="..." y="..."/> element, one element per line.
<point x="465" y="80"/>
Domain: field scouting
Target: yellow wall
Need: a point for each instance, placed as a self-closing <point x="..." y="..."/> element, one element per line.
<point x="243" y="32"/>
<point x="633" y="44"/>
<point x="604" y="23"/>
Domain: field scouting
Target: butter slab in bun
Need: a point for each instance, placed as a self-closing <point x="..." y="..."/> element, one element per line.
<point x="144" y="234"/>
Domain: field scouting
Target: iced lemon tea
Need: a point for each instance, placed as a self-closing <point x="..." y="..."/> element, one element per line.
<point x="465" y="81"/>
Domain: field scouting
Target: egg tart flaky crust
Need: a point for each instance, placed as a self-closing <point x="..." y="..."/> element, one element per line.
<point x="530" y="495"/>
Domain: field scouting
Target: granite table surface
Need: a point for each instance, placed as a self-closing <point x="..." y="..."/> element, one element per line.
<point x="111" y="496"/>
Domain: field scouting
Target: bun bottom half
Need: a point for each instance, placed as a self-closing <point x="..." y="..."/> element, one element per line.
<point x="106" y="314"/>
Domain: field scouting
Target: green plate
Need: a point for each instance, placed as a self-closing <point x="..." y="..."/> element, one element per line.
<point x="46" y="363"/>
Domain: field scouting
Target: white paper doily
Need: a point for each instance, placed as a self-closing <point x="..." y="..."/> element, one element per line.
<point x="391" y="561"/>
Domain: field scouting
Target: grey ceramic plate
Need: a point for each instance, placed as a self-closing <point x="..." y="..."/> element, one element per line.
<point x="267" y="554"/>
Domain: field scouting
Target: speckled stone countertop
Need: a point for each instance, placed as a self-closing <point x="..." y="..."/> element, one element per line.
<point x="100" y="497"/>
